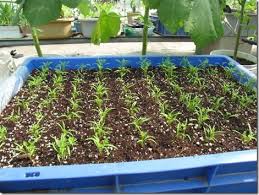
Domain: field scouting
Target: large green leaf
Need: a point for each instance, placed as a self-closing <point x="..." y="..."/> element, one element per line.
<point x="85" y="7"/>
<point x="107" y="26"/>
<point x="173" y="13"/>
<point x="71" y="3"/>
<point x="152" y="4"/>
<point x="204" y="23"/>
<point x="40" y="12"/>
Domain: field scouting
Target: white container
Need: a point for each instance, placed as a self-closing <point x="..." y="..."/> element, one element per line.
<point x="87" y="26"/>
<point x="10" y="32"/>
<point x="241" y="55"/>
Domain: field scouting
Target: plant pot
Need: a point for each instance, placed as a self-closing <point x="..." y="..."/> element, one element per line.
<point x="131" y="15"/>
<point x="241" y="55"/>
<point x="223" y="172"/>
<point x="58" y="29"/>
<point x="10" y="32"/>
<point x="87" y="26"/>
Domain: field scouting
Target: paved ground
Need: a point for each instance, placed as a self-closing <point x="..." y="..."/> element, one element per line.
<point x="172" y="48"/>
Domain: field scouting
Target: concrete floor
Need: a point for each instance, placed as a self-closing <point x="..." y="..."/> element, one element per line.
<point x="133" y="48"/>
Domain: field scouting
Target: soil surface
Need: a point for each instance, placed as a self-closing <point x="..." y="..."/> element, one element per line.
<point x="229" y="119"/>
<point x="243" y="61"/>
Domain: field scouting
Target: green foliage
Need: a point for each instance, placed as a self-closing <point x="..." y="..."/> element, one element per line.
<point x="216" y="102"/>
<point x="27" y="148"/>
<point x="201" y="19"/>
<point x="6" y="13"/>
<point x="3" y="134"/>
<point x="181" y="130"/>
<point x="35" y="131"/>
<point x="248" y="135"/>
<point x="211" y="133"/>
<point x="202" y="115"/>
<point x="145" y="65"/>
<point x="138" y="122"/>
<point x="108" y="25"/>
<point x="35" y="82"/>
<point x="144" y="138"/>
<point x="64" y="145"/>
<point x="103" y="145"/>
<point x="190" y="103"/>
<point x="170" y="117"/>
<point x="14" y="117"/>
<point x="23" y="104"/>
<point x="169" y="69"/>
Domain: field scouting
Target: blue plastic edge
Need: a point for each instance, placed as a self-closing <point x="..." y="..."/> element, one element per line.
<point x="13" y="84"/>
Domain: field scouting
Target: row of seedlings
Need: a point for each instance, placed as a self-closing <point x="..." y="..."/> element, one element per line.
<point x="101" y="132"/>
<point x="132" y="107"/>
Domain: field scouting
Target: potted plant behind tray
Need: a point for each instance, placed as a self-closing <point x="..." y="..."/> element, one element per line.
<point x="9" y="28"/>
<point x="89" y="17"/>
<point x="60" y="28"/>
<point x="245" y="59"/>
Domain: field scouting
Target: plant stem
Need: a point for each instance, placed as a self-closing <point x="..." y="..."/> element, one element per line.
<point x="145" y="31"/>
<point x="241" y="19"/>
<point x="36" y="41"/>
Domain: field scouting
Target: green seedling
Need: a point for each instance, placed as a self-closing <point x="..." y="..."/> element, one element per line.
<point x="3" y="134"/>
<point x="103" y="145"/>
<point x="211" y="133"/>
<point x="176" y="87"/>
<point x="75" y="104"/>
<point x="63" y="146"/>
<point x="170" y="117"/>
<point x="145" y="65"/>
<point x="163" y="107"/>
<point x="156" y="93"/>
<point x="35" y="82"/>
<point x="53" y="94"/>
<point x="138" y="122"/>
<point x="122" y="71"/>
<point x="72" y="115"/>
<point x="100" y="89"/>
<point x="235" y="94"/>
<point x="212" y="71"/>
<point x="100" y="67"/>
<point x="144" y="138"/>
<point x="75" y="92"/>
<point x="190" y="103"/>
<point x="250" y="86"/>
<point x="133" y="109"/>
<point x="202" y="115"/>
<point x="23" y="104"/>
<point x="46" y="103"/>
<point x="13" y="117"/>
<point x="216" y="102"/>
<point x="103" y="113"/>
<point x="245" y="100"/>
<point x="99" y="101"/>
<point x="227" y="87"/>
<point x="169" y="69"/>
<point x="39" y="116"/>
<point x="227" y="115"/>
<point x="99" y="129"/>
<point x="181" y="130"/>
<point x="191" y="71"/>
<point x="35" y="131"/>
<point x="45" y="70"/>
<point x="200" y="82"/>
<point x="58" y="80"/>
<point x="27" y="148"/>
<point x="247" y="136"/>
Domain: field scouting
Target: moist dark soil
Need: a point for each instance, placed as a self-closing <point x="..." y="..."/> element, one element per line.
<point x="243" y="61"/>
<point x="123" y="135"/>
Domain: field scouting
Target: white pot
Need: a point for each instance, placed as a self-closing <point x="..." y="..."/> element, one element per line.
<point x="10" y="32"/>
<point x="242" y="55"/>
<point x="87" y="26"/>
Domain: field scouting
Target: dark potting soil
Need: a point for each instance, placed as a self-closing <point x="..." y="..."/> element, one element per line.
<point x="229" y="119"/>
<point x="243" y="61"/>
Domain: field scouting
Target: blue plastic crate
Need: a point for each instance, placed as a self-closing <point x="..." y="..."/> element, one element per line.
<point x="225" y="172"/>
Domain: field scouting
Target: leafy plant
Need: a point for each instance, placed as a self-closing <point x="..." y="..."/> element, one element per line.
<point x="23" y="104"/>
<point x="6" y="13"/>
<point x="3" y="134"/>
<point x="13" y="117"/>
<point x="63" y="145"/>
<point x="170" y="117"/>
<point x="227" y="87"/>
<point x="145" y="65"/>
<point x="169" y="69"/>
<point x="35" y="82"/>
<point x="203" y="28"/>
<point x="211" y="133"/>
<point x="144" y="138"/>
<point x="245" y="100"/>
<point x="35" y="131"/>
<point x="181" y="130"/>
<point x="248" y="135"/>
<point x="191" y="103"/>
<point x="122" y="71"/>
<point x="202" y="115"/>
<point x="138" y="122"/>
<point x="27" y="148"/>
<point x="216" y="102"/>
<point x="156" y="93"/>
<point x="103" y="145"/>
